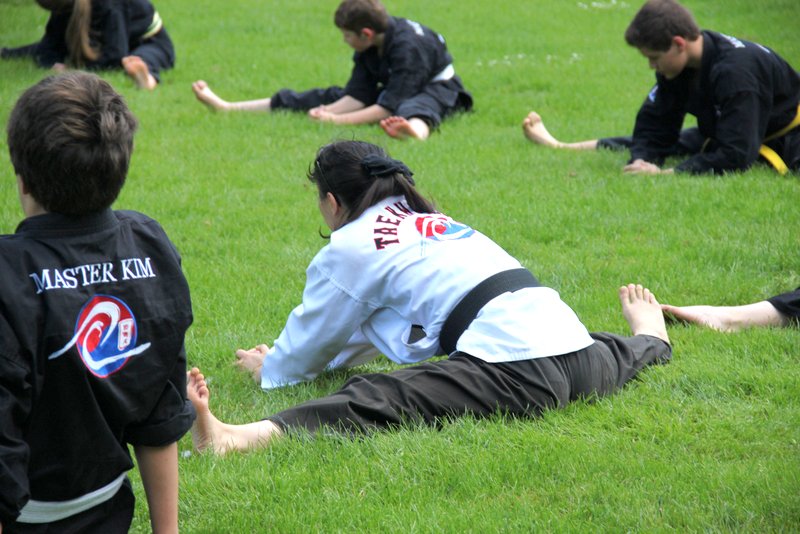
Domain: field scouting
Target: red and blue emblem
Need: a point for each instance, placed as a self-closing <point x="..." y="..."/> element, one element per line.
<point x="441" y="228"/>
<point x="105" y="336"/>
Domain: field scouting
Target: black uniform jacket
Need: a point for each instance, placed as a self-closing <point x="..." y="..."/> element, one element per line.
<point x="741" y="93"/>
<point x="411" y="57"/>
<point x="116" y="29"/>
<point x="93" y="313"/>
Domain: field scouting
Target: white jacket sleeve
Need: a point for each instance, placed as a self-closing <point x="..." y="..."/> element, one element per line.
<point x="359" y="350"/>
<point x="316" y="332"/>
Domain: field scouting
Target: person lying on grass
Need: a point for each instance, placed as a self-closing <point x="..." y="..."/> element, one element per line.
<point x="780" y="310"/>
<point x="399" y="278"/>
<point x="745" y="97"/>
<point x="94" y="34"/>
<point x="402" y="78"/>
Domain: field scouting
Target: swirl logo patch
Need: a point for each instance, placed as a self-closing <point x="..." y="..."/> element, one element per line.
<point x="105" y="336"/>
<point x="440" y="228"/>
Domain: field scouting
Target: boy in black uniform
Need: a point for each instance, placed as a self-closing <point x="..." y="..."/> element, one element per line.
<point x="746" y="99"/>
<point x="93" y="312"/>
<point x="403" y="78"/>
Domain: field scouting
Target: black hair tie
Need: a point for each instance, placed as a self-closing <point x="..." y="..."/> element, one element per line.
<point x="378" y="166"/>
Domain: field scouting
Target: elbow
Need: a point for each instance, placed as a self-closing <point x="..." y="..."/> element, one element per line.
<point x="728" y="159"/>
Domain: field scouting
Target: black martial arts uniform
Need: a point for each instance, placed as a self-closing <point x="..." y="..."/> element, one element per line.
<point x="93" y="313"/>
<point x="788" y="304"/>
<point x="119" y="28"/>
<point x="742" y="94"/>
<point x="413" y="76"/>
<point x="464" y="385"/>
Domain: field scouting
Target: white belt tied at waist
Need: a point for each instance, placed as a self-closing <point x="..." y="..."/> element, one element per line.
<point x="447" y="73"/>
<point x="49" y="511"/>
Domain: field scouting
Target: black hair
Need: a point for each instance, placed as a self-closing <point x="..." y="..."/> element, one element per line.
<point x="657" y="22"/>
<point x="355" y="15"/>
<point x="360" y="174"/>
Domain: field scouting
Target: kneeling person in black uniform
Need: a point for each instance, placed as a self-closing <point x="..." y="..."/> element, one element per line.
<point x="94" y="307"/>
<point x="746" y="99"/>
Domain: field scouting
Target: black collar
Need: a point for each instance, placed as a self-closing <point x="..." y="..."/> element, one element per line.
<point x="55" y="224"/>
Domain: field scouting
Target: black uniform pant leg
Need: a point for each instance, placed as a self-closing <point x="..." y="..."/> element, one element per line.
<point x="690" y="141"/>
<point x="423" y="106"/>
<point x="788" y="148"/>
<point x="464" y="385"/>
<point x="305" y="100"/>
<point x="611" y="362"/>
<point x="158" y="53"/>
<point x="431" y="391"/>
<point x="19" y="51"/>
<point x="788" y="304"/>
<point x="436" y="102"/>
<point x="615" y="143"/>
<point x="791" y="150"/>
<point x="111" y="517"/>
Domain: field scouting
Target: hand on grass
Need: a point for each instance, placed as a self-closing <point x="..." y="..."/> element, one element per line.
<point x="321" y="114"/>
<point x="252" y="360"/>
<point x="641" y="166"/>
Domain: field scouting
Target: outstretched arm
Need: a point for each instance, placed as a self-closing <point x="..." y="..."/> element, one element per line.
<point x="158" y="467"/>
<point x="640" y="166"/>
<point x="368" y="115"/>
<point x="346" y="104"/>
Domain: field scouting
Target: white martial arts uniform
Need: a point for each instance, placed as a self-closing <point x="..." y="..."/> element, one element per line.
<point x="392" y="269"/>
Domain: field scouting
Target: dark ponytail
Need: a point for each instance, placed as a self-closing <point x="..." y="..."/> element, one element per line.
<point x="78" y="29"/>
<point x="359" y="175"/>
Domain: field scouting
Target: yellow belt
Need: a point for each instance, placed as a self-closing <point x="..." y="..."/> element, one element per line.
<point x="770" y="155"/>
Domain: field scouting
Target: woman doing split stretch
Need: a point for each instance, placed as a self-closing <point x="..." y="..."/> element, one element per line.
<point x="400" y="279"/>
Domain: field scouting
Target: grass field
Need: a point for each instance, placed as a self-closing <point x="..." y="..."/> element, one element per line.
<point x="710" y="442"/>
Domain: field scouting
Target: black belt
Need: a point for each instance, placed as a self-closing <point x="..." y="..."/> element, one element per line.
<point x="469" y="306"/>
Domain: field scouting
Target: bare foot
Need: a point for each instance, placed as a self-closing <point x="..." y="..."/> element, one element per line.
<point x="137" y="69"/>
<point x="642" y="311"/>
<point x="208" y="432"/>
<point x="534" y="130"/>
<point x="205" y="95"/>
<point x="203" y="429"/>
<point x="399" y="128"/>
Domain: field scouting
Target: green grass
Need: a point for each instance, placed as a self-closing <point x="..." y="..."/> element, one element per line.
<point x="709" y="443"/>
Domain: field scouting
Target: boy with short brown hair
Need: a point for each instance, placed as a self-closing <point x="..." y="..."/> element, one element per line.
<point x="402" y="78"/>
<point x="93" y="312"/>
<point x="745" y="97"/>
